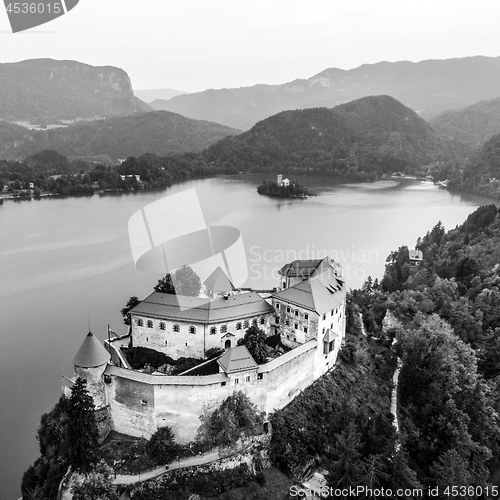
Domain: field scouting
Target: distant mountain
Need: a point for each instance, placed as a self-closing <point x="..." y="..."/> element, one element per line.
<point x="428" y="87"/>
<point x="158" y="132"/>
<point x="46" y="90"/>
<point x="150" y="95"/>
<point x="364" y="138"/>
<point x="473" y="125"/>
<point x="481" y="173"/>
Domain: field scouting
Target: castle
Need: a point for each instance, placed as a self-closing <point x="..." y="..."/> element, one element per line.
<point x="307" y="311"/>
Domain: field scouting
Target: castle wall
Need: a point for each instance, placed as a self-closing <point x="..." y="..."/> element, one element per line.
<point x="141" y="403"/>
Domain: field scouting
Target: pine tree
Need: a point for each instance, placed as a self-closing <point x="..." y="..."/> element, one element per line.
<point x="83" y="434"/>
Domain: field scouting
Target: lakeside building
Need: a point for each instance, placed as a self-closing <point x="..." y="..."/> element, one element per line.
<point x="307" y="312"/>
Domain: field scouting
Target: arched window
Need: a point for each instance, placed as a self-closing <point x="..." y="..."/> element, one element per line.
<point x="140" y="322"/>
<point x="223" y="329"/>
<point x="296" y="313"/>
<point x="177" y="328"/>
<point x="213" y="330"/>
<point x="246" y="324"/>
<point x="162" y="326"/>
<point x="254" y="322"/>
<point x="192" y="329"/>
<point x="238" y="325"/>
<point x="227" y="344"/>
<point x="262" y="320"/>
<point x="150" y="324"/>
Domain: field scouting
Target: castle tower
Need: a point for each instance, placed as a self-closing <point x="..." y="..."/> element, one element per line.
<point x="279" y="180"/>
<point x="90" y="362"/>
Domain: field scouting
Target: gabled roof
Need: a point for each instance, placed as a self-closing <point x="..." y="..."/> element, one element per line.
<point x="91" y="353"/>
<point x="237" y="359"/>
<point x="416" y="255"/>
<point x="202" y="310"/>
<point x="320" y="293"/>
<point x="218" y="281"/>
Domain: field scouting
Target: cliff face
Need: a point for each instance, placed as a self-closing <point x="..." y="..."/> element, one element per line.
<point x="46" y="90"/>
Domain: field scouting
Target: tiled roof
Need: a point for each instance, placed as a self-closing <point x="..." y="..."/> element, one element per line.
<point x="202" y="310"/>
<point x="91" y="353"/>
<point x="218" y="281"/>
<point x="237" y="359"/>
<point x="320" y="293"/>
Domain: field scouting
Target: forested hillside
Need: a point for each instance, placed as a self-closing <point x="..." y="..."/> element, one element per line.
<point x="473" y="125"/>
<point x="364" y="138"/>
<point x="158" y="132"/>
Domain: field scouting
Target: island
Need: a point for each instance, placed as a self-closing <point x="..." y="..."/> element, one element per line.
<point x="283" y="188"/>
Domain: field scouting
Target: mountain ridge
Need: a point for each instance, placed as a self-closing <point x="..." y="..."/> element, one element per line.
<point x="428" y="87"/>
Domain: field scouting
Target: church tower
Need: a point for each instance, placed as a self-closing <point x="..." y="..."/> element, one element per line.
<point x="90" y="362"/>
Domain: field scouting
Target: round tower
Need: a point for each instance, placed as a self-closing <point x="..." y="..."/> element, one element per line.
<point x="90" y="362"/>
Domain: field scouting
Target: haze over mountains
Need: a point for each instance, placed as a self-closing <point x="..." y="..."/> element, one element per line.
<point x="47" y="90"/>
<point x="428" y="87"/>
<point x="150" y="95"/>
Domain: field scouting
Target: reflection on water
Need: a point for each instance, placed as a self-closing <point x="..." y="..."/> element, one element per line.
<point x="66" y="260"/>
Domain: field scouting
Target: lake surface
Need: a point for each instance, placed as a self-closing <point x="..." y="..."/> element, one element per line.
<point x="65" y="262"/>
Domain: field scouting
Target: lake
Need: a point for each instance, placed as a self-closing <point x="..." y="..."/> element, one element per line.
<point x="66" y="262"/>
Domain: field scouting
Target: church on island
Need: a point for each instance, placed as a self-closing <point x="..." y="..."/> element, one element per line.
<point x="306" y="313"/>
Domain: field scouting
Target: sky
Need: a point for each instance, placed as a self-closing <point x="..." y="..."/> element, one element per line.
<point x="193" y="45"/>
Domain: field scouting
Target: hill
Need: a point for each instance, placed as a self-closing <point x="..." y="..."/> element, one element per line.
<point x="473" y="125"/>
<point x="46" y="90"/>
<point x="364" y="138"/>
<point x="428" y="87"/>
<point x="481" y="173"/>
<point x="151" y="95"/>
<point x="158" y="132"/>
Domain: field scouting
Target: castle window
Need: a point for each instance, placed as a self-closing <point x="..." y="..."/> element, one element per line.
<point x="223" y="329"/>
<point x="296" y="313"/>
<point x="262" y="320"/>
<point x="305" y="329"/>
<point x="287" y="322"/>
<point x="324" y="317"/>
<point x="277" y="306"/>
<point x="296" y="326"/>
<point x="260" y="376"/>
<point x="236" y="381"/>
<point x="306" y="316"/>
<point x="246" y="324"/>
<point x="144" y="402"/>
<point x="332" y="313"/>
<point x="247" y="378"/>
<point x="192" y="329"/>
<point x="254" y="322"/>
<point x="238" y="325"/>
<point x="162" y="326"/>
<point x="165" y="342"/>
<point x="177" y="328"/>
<point x="223" y="384"/>
<point x="288" y="309"/>
<point x="277" y="320"/>
<point x="213" y="330"/>
<point x="140" y="322"/>
<point x="150" y="324"/>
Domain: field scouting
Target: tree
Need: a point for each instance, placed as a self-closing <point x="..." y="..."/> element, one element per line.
<point x="132" y="302"/>
<point x="236" y="416"/>
<point x="184" y="281"/>
<point x="255" y="341"/>
<point x="165" y="285"/>
<point x="161" y="446"/>
<point x="83" y="435"/>
<point x="96" y="485"/>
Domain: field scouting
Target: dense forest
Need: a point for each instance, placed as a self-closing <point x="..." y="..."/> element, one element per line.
<point x="292" y="190"/>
